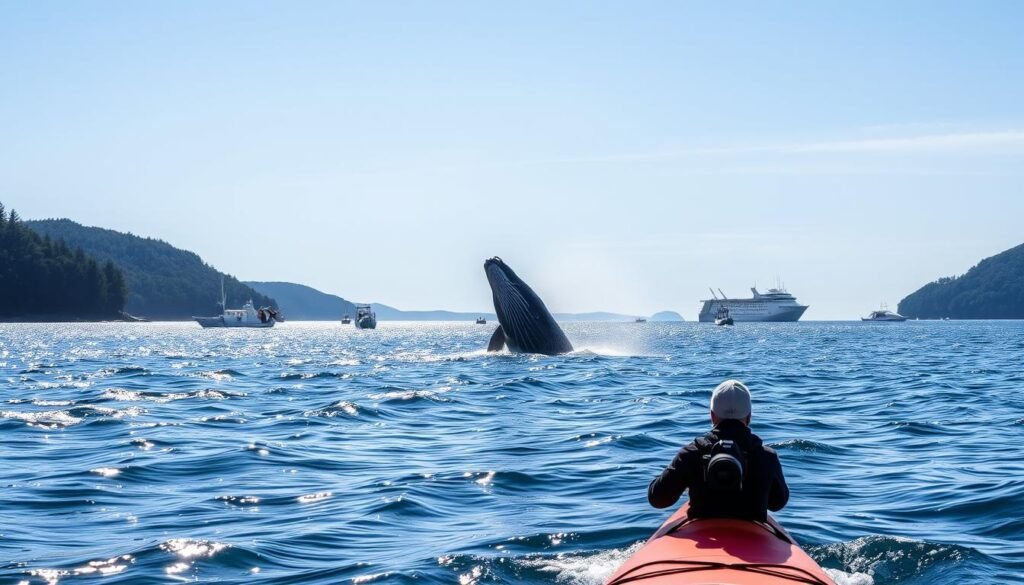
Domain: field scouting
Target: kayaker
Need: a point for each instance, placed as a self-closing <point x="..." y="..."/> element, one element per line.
<point x="761" y="486"/>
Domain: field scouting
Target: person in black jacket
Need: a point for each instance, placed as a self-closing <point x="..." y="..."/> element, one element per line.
<point x="762" y="488"/>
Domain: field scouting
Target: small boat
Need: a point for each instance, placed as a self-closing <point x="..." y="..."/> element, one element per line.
<point x="481" y="321"/>
<point x="365" y="317"/>
<point x="247" y="316"/>
<point x="346" y="320"/>
<point x="640" y="320"/>
<point x="722" y="552"/>
<point x="883" y="314"/>
<point x="722" y="316"/>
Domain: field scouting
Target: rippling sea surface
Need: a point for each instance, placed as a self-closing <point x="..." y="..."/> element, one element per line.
<point x="316" y="453"/>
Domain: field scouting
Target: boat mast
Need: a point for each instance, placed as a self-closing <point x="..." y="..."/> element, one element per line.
<point x="713" y="293"/>
<point x="223" y="297"/>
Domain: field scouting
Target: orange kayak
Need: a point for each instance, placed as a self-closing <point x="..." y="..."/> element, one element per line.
<point x="719" y="552"/>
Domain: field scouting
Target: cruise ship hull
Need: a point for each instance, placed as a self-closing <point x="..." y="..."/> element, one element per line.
<point x="745" y="311"/>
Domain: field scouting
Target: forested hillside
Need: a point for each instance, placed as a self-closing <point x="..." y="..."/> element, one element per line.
<point x="994" y="289"/>
<point x="163" y="282"/>
<point x="42" y="279"/>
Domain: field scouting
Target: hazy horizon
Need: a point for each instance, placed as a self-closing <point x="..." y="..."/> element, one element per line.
<point x="620" y="158"/>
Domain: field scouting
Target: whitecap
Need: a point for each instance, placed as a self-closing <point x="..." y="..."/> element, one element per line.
<point x="370" y="578"/>
<point x="52" y="419"/>
<point x="842" y="578"/>
<point x="582" y="568"/>
<point x="310" y="498"/>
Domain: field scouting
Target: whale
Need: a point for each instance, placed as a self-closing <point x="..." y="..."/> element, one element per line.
<point x="525" y="324"/>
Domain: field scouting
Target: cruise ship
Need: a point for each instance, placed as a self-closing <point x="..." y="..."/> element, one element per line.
<point x="775" y="305"/>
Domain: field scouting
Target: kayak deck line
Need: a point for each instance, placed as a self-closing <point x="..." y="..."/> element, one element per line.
<point x="770" y="569"/>
<point x="722" y="551"/>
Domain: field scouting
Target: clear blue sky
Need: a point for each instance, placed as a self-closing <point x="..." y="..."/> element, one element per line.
<point x="619" y="156"/>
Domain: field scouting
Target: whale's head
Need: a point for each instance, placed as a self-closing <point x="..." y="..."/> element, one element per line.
<point x="527" y="323"/>
<point x="499" y="273"/>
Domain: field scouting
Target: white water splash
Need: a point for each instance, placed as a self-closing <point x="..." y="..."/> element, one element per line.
<point x="842" y="578"/>
<point x="583" y="569"/>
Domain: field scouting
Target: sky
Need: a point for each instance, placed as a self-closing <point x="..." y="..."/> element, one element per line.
<point x="619" y="156"/>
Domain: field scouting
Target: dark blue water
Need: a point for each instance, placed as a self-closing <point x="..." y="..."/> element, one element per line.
<point x="315" y="453"/>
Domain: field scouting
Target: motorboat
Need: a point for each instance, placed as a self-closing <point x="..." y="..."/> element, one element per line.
<point x="481" y="321"/>
<point x="883" y="314"/>
<point x="365" y="317"/>
<point x="640" y="320"/>
<point x="722" y="316"/>
<point x="346" y="319"/>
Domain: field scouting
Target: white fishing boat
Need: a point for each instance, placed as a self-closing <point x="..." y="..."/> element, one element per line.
<point x="247" y="316"/>
<point x="722" y="316"/>
<point x="365" y="317"/>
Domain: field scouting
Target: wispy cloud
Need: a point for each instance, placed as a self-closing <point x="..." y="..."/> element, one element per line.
<point x="999" y="142"/>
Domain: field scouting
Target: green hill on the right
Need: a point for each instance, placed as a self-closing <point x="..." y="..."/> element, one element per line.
<point x="994" y="289"/>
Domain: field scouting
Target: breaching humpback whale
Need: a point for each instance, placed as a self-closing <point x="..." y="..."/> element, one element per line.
<point x="526" y="325"/>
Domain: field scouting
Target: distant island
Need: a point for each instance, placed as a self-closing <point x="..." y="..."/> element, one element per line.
<point x="667" y="316"/>
<point x="993" y="289"/>
<point x="163" y="282"/>
<point x="42" y="279"/>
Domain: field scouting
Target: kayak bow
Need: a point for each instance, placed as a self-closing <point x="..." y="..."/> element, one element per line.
<point x="721" y="552"/>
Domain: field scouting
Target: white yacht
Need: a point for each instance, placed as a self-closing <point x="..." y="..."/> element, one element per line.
<point x="775" y="305"/>
<point x="247" y="316"/>
<point x="883" y="314"/>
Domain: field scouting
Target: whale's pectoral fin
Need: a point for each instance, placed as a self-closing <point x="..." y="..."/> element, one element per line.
<point x="497" y="340"/>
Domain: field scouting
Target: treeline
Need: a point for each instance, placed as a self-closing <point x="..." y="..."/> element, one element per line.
<point x="163" y="282"/>
<point x="41" y="278"/>
<point x="994" y="289"/>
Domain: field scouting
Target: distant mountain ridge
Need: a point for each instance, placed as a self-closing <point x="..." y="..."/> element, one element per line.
<point x="304" y="303"/>
<point x="993" y="289"/>
<point x="299" y="302"/>
<point x="163" y="282"/>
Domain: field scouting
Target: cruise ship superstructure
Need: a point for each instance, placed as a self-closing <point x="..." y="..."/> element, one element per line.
<point x="775" y="305"/>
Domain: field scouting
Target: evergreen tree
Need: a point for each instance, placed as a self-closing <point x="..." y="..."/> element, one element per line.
<point x="44" y="279"/>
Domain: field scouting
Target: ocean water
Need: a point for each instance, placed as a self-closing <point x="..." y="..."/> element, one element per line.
<point x="316" y="453"/>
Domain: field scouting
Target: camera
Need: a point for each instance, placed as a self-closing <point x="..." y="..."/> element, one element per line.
<point x="723" y="467"/>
